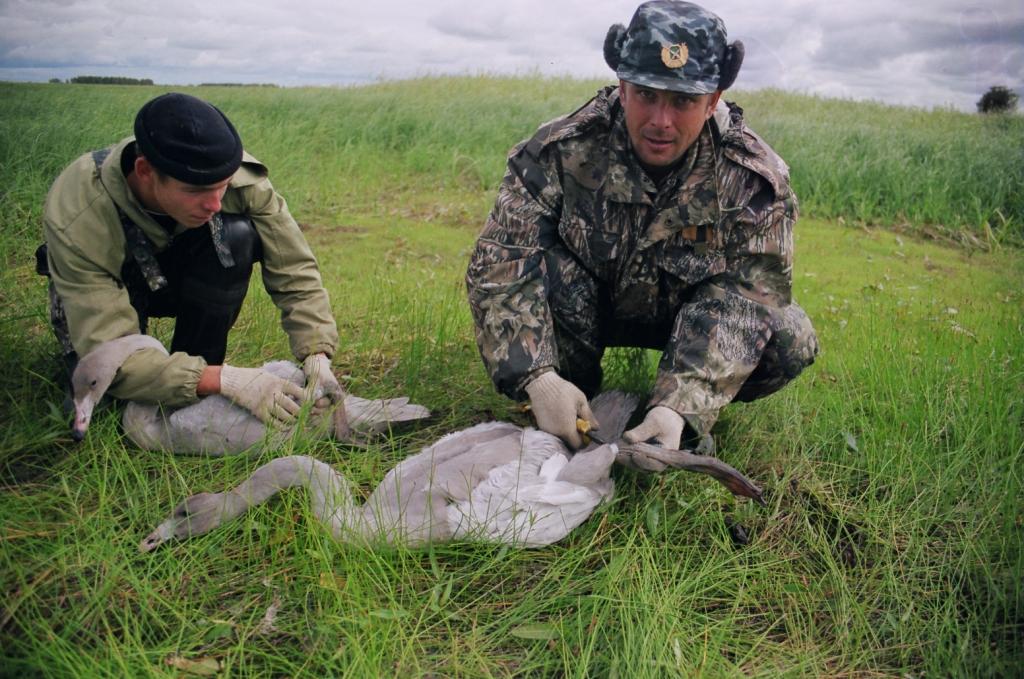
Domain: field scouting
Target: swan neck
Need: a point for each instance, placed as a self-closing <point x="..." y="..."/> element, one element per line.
<point x="330" y="493"/>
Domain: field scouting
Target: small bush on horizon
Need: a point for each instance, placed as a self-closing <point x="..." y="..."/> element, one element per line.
<point x="998" y="99"/>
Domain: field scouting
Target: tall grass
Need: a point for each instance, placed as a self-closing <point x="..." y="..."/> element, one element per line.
<point x="865" y="162"/>
<point x="881" y="164"/>
<point x="892" y="541"/>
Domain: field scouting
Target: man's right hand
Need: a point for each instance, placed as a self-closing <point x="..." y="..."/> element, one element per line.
<point x="557" y="404"/>
<point x="273" y="400"/>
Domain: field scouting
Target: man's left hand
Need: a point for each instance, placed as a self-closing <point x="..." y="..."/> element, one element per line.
<point x="662" y="424"/>
<point x="320" y="378"/>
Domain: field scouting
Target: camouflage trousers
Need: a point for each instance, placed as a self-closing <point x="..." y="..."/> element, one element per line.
<point x="585" y="326"/>
<point x="203" y="295"/>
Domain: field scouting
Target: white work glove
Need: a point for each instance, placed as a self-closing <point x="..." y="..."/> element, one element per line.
<point x="317" y="368"/>
<point x="556" y="404"/>
<point x="661" y="424"/>
<point x="274" y="400"/>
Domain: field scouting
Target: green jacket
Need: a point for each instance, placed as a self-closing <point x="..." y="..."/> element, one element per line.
<point x="86" y="252"/>
<point x="709" y="250"/>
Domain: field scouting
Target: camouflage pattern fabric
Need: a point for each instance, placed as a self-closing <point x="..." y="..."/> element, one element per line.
<point x="141" y="251"/>
<point x="220" y="244"/>
<point x="59" y="323"/>
<point x="583" y="251"/>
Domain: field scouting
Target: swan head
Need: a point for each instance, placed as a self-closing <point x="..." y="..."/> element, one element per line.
<point x="96" y="371"/>
<point x="88" y="384"/>
<point x="196" y="515"/>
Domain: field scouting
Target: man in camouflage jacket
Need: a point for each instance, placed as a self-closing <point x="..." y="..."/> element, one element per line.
<point x="650" y="217"/>
<point x="170" y="222"/>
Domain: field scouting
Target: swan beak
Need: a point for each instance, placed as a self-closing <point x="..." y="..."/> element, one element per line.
<point x="83" y="415"/>
<point x="163" y="533"/>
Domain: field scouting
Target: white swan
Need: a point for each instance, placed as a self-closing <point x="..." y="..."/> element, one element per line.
<point x="213" y="426"/>
<point x="493" y="482"/>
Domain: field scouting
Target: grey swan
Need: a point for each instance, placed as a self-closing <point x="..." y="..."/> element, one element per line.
<point x="494" y="482"/>
<point x="215" y="426"/>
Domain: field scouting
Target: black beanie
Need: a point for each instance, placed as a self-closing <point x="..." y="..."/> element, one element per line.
<point x="188" y="139"/>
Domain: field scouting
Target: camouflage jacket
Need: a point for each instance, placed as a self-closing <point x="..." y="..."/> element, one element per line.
<point x="710" y="255"/>
<point x="86" y="252"/>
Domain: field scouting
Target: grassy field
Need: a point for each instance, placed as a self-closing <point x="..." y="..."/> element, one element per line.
<point x="891" y="545"/>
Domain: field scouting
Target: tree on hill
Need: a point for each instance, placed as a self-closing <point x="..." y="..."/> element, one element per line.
<point x="998" y="99"/>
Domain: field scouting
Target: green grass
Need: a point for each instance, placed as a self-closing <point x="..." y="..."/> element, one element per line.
<point x="892" y="541"/>
<point x="940" y="172"/>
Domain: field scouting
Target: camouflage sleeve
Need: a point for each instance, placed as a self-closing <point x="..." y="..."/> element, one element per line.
<point x="506" y="279"/>
<point x="719" y="335"/>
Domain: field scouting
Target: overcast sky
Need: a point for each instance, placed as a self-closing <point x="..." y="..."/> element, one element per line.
<point x="921" y="52"/>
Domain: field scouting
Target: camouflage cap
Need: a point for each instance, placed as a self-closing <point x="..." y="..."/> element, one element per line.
<point x="673" y="45"/>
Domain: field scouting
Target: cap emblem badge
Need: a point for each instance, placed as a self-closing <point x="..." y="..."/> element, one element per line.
<point x="675" y="56"/>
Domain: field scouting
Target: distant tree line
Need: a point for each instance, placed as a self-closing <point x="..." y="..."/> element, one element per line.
<point x="121" y="80"/>
<point x="104" y="80"/>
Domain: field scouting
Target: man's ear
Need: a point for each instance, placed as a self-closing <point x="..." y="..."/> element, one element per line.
<point x="712" y="104"/>
<point x="144" y="169"/>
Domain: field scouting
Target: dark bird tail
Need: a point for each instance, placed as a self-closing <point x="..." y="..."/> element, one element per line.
<point x="613" y="410"/>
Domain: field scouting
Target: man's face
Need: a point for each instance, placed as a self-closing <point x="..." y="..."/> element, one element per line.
<point x="189" y="204"/>
<point x="663" y="124"/>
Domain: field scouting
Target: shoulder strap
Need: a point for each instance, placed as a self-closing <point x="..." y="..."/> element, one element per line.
<point x="99" y="155"/>
<point x="136" y="243"/>
<point x="220" y="245"/>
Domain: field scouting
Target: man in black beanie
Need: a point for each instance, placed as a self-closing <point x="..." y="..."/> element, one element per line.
<point x="651" y="217"/>
<point x="170" y="223"/>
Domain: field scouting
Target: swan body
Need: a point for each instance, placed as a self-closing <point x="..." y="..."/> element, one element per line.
<point x="214" y="426"/>
<point x="494" y="482"/>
